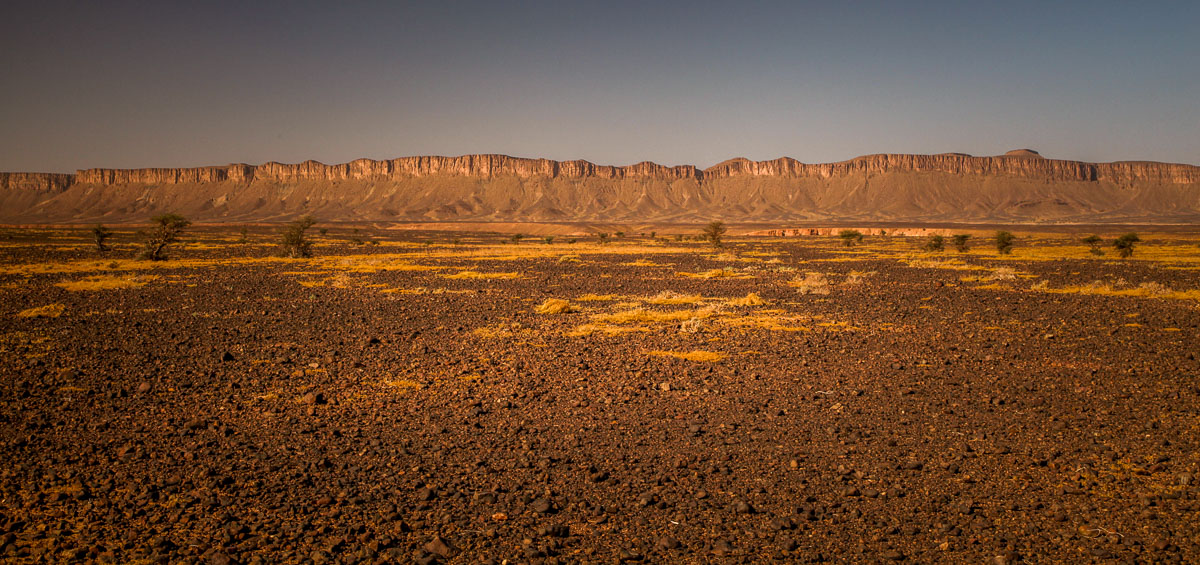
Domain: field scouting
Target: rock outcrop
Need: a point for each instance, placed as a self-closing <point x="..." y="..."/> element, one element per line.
<point x="1020" y="186"/>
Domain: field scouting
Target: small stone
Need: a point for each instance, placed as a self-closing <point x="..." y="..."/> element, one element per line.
<point x="665" y="387"/>
<point x="143" y="387"/>
<point x="313" y="398"/>
<point x="892" y="555"/>
<point x="439" y="546"/>
<point x="668" y="542"/>
<point x="541" y="506"/>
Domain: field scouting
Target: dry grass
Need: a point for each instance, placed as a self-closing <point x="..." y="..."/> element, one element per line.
<point x="671" y="297"/>
<point x="1145" y="290"/>
<point x="697" y="356"/>
<point x="47" y="311"/>
<point x="106" y="283"/>
<point x="597" y="297"/>
<point x="479" y="275"/>
<point x="811" y="283"/>
<point x="607" y="329"/>
<point x="555" y="306"/>
<point x="642" y="315"/>
<point x="752" y="299"/>
<point x="403" y="384"/>
<point x="726" y="273"/>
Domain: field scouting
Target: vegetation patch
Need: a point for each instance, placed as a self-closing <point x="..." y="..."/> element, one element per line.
<point x="670" y="297"/>
<point x="697" y="356"/>
<point x="555" y="306"/>
<point x="47" y="311"/>
<point x="106" y="283"/>
<point x="479" y="275"/>
<point x="752" y="299"/>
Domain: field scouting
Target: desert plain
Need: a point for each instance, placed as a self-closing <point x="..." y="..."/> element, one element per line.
<point x="408" y="396"/>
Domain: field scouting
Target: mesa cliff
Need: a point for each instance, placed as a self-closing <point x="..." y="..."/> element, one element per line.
<point x="1020" y="186"/>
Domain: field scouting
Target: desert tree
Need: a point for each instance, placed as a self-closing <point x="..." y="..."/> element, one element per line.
<point x="517" y="237"/>
<point x="164" y="230"/>
<point x="99" y="235"/>
<point x="619" y="234"/>
<point x="935" y="243"/>
<point x="244" y="235"/>
<point x="960" y="242"/>
<point x="1094" y="242"/>
<point x="293" y="239"/>
<point x="713" y="233"/>
<point x="1004" y="242"/>
<point x="850" y="237"/>
<point x="1124" y="244"/>
<point x="603" y="236"/>
<point x="548" y="239"/>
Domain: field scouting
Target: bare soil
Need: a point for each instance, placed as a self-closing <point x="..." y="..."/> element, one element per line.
<point x="375" y="405"/>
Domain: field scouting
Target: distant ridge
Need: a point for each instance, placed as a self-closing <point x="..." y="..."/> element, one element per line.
<point x="1019" y="186"/>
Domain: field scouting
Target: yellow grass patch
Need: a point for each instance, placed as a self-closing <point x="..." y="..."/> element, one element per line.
<point x="1145" y="290"/>
<point x="479" y="275"/>
<point x="726" y="273"/>
<point x="698" y="356"/>
<point x="106" y="283"/>
<point x="671" y="297"/>
<point x="597" y="297"/>
<point x="766" y="322"/>
<point x="646" y="263"/>
<point x="607" y="329"/>
<point x="642" y="315"/>
<point x="403" y="384"/>
<point x="555" y="306"/>
<point x="47" y="311"/>
<point x="811" y="283"/>
<point x="752" y="299"/>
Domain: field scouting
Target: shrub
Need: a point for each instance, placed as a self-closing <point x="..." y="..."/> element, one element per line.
<point x="936" y="243"/>
<point x="1124" y="244"/>
<point x="811" y="283"/>
<point x="603" y="237"/>
<point x="548" y="239"/>
<point x="1004" y="242"/>
<point x="293" y="240"/>
<point x="960" y="242"/>
<point x="165" y="229"/>
<point x="620" y="234"/>
<point x="1094" y="242"/>
<point x="555" y="306"/>
<point x="850" y="237"/>
<point x="712" y="233"/>
<point x="99" y="235"/>
<point x="517" y="237"/>
<point x="244" y="236"/>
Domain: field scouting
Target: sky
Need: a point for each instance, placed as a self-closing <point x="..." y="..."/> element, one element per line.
<point x="176" y="84"/>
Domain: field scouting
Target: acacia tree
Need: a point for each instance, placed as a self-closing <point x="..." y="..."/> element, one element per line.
<point x="165" y="229"/>
<point x="99" y="235"/>
<point x="713" y="232"/>
<point x="1004" y="242"/>
<point x="294" y="241"/>
<point x="1124" y="244"/>
<point x="850" y="237"/>
<point x="1094" y="242"/>
<point x="935" y="243"/>
<point x="960" y="242"/>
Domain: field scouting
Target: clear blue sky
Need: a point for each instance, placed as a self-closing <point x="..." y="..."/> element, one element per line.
<point x="136" y="84"/>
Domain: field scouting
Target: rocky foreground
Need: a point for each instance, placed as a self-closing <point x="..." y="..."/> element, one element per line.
<point x="405" y="402"/>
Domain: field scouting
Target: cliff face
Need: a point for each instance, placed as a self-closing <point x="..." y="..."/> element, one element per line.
<point x="490" y="166"/>
<point x="1019" y="186"/>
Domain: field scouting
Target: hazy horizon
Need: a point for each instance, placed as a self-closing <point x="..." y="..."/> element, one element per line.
<point x="131" y="85"/>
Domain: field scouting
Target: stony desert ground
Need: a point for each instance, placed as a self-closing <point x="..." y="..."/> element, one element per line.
<point x="428" y="397"/>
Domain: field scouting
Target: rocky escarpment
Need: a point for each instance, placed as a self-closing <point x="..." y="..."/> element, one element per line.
<point x="1020" y="186"/>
